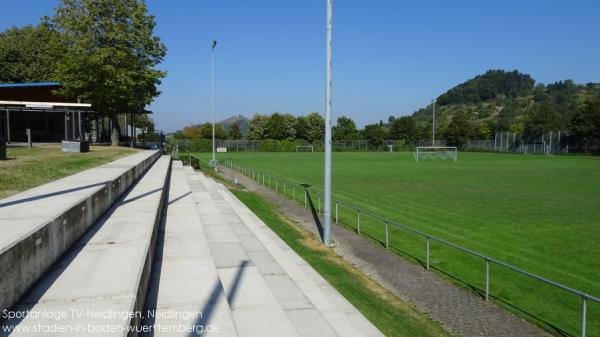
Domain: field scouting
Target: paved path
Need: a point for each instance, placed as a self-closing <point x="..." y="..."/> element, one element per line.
<point x="460" y="312"/>
<point x="225" y="262"/>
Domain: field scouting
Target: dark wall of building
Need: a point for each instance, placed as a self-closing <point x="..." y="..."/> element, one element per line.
<point x="33" y="94"/>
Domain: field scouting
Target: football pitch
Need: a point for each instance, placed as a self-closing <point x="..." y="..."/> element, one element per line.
<point x="536" y="212"/>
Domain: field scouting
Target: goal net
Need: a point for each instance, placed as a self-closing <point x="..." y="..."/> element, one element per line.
<point x="304" y="148"/>
<point x="436" y="152"/>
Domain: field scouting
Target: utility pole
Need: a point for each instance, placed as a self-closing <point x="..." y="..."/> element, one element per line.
<point x="328" y="108"/>
<point x="212" y="80"/>
<point x="433" y="124"/>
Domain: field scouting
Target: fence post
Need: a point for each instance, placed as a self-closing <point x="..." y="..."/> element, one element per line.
<point x="276" y="186"/>
<point x="263" y="179"/>
<point x="358" y="222"/>
<point x="305" y="204"/>
<point x="583" y="315"/>
<point x="487" y="278"/>
<point x="319" y="204"/>
<point x="427" y="255"/>
<point x="336" y="212"/>
<point x="269" y="181"/>
<point x="387" y="239"/>
<point x="294" y="192"/>
<point x="284" y="192"/>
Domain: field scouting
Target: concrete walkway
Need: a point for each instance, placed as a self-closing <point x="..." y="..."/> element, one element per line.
<point x="220" y="259"/>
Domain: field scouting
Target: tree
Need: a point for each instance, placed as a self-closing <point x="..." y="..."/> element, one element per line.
<point x="203" y="131"/>
<point x="257" y="127"/>
<point x="459" y="130"/>
<point x="541" y="118"/>
<point x="143" y="121"/>
<point x="109" y="55"/>
<point x="315" y="127"/>
<point x="404" y="128"/>
<point x="206" y="131"/>
<point x="345" y="129"/>
<point x="191" y="131"/>
<point x="301" y="127"/>
<point x="375" y="134"/>
<point x="28" y="54"/>
<point x="481" y="130"/>
<point x="281" y="126"/>
<point x="585" y="123"/>
<point x="234" y="132"/>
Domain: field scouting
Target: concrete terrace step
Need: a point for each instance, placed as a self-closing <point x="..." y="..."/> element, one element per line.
<point x="104" y="277"/>
<point x="270" y="289"/>
<point x="37" y="226"/>
<point x="185" y="291"/>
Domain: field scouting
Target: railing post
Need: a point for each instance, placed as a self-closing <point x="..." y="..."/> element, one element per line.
<point x="583" y="315"/>
<point x="305" y="204"/>
<point x="427" y="254"/>
<point x="487" y="279"/>
<point x="358" y="222"/>
<point x="387" y="238"/>
<point x="319" y="204"/>
<point x="336" y="212"/>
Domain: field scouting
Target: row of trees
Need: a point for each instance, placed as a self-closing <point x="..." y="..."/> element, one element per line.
<point x="310" y="128"/>
<point x="103" y="52"/>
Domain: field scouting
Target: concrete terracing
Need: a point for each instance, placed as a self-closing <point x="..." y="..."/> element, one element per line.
<point x="221" y="261"/>
<point x="37" y="226"/>
<point x="196" y="263"/>
<point x="104" y="276"/>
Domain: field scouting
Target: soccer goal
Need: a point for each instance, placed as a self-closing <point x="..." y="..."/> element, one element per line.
<point x="304" y="148"/>
<point x="436" y="152"/>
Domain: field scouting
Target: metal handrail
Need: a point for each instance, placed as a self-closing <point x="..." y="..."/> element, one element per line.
<point x="584" y="296"/>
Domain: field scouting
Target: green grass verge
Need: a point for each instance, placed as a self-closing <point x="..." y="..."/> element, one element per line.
<point x="30" y="167"/>
<point x="536" y="212"/>
<point x="388" y="313"/>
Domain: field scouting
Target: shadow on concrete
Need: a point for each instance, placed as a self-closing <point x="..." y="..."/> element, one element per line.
<point x="171" y="202"/>
<point x="37" y="291"/>
<point x="137" y="197"/>
<point x="48" y="195"/>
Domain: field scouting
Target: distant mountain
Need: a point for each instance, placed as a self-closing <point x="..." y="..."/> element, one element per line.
<point x="503" y="99"/>
<point x="240" y="120"/>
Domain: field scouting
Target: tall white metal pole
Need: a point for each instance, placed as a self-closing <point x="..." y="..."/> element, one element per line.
<point x="212" y="80"/>
<point x="328" y="108"/>
<point x="433" y="124"/>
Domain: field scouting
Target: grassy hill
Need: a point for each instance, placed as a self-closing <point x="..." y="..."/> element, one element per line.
<point x="502" y="100"/>
<point x="240" y="120"/>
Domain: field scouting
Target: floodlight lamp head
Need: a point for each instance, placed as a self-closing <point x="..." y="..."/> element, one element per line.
<point x="214" y="44"/>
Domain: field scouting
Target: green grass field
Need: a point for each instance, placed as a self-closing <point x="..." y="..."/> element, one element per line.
<point x="30" y="167"/>
<point x="536" y="212"/>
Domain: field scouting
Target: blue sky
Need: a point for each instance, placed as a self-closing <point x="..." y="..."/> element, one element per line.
<point x="391" y="57"/>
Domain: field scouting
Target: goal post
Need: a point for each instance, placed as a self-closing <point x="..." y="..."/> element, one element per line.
<point x="304" y="148"/>
<point x="436" y="152"/>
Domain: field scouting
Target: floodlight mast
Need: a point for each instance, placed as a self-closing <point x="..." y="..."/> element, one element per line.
<point x="433" y="124"/>
<point x="212" y="80"/>
<point x="328" y="108"/>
